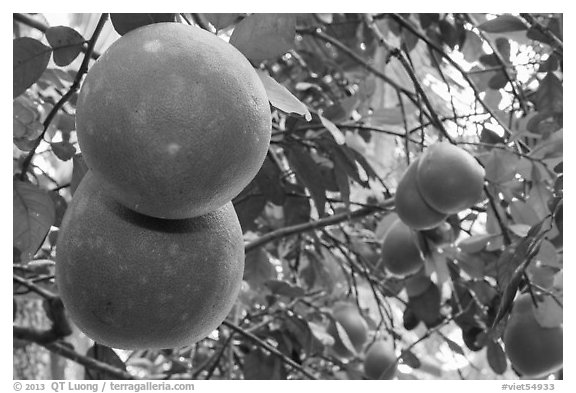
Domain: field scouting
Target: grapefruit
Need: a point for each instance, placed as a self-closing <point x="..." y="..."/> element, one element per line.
<point x="131" y="281"/>
<point x="411" y="207"/>
<point x="400" y="253"/>
<point x="353" y="324"/>
<point x="533" y="350"/>
<point x="380" y="361"/>
<point x="449" y="178"/>
<point x="174" y="119"/>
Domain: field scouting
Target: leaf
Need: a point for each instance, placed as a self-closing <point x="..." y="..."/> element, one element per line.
<point x="410" y="359"/>
<point x="549" y="313"/>
<point x="448" y="33"/>
<point x="281" y="98"/>
<point x="221" y="21"/>
<point x="33" y="216"/>
<point x="498" y="81"/>
<point x="63" y="150"/>
<point x="472" y="47"/>
<point x="106" y="355"/>
<point x="284" y="288"/>
<point x="264" y="36"/>
<point x="549" y="96"/>
<point x="30" y="59"/>
<point x="503" y="24"/>
<point x="453" y="346"/>
<point x="335" y="131"/>
<point x="496" y="357"/>
<point x="476" y="243"/>
<point x="426" y="306"/>
<point x="60" y="206"/>
<point x="79" y="170"/>
<point x="248" y="210"/>
<point x="123" y="23"/>
<point x="66" y="44"/>
<point x="258" y="268"/>
<point x="269" y="182"/>
<point x="296" y="210"/>
<point x="321" y="334"/>
<point x="308" y="172"/>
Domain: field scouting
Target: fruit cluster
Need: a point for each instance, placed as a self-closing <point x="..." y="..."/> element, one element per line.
<point x="173" y="122"/>
<point x="443" y="181"/>
<point x="379" y="359"/>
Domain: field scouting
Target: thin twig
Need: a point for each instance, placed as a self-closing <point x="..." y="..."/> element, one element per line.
<point x="75" y="86"/>
<point x="404" y="23"/>
<point x="269" y="348"/>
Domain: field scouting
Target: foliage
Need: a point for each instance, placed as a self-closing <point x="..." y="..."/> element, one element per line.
<point x="355" y="98"/>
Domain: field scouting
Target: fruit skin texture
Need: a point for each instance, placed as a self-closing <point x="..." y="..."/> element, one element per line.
<point x="380" y="357"/>
<point x="400" y="253"/>
<point x="533" y="350"/>
<point x="133" y="282"/>
<point x="411" y="207"/>
<point x="348" y="316"/>
<point x="449" y="178"/>
<point x="174" y="119"/>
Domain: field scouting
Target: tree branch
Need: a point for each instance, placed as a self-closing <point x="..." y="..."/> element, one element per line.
<point x="324" y="222"/>
<point x="75" y="86"/>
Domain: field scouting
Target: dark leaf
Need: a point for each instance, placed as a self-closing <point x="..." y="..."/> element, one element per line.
<point x="106" y="355"/>
<point x="258" y="268"/>
<point x="498" y="81"/>
<point x="30" y="58"/>
<point x="503" y="24"/>
<point x="281" y="98"/>
<point x="60" y="206"/>
<point x="453" y="346"/>
<point x="490" y="60"/>
<point x="79" y="170"/>
<point x="426" y="306"/>
<point x="34" y="214"/>
<point x="66" y="44"/>
<point x="284" y="288"/>
<point x="449" y="33"/>
<point x="551" y="64"/>
<point x="264" y="36"/>
<point x="248" y="210"/>
<point x="410" y="359"/>
<point x="123" y="23"/>
<point x="472" y="48"/>
<point x="490" y="137"/>
<point x="308" y="173"/>
<point x="296" y="210"/>
<point x="221" y="21"/>
<point x="496" y="357"/>
<point x="428" y="19"/>
<point x="503" y="46"/>
<point x="549" y="95"/>
<point x="63" y="150"/>
<point x="268" y="180"/>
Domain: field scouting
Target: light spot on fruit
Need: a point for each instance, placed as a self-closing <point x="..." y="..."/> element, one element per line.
<point x="184" y="316"/>
<point x="173" y="148"/>
<point x="152" y="46"/>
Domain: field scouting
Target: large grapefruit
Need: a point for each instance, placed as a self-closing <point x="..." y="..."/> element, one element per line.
<point x="174" y="119"/>
<point x="132" y="281"/>
<point x="400" y="253"/>
<point x="354" y="326"/>
<point x="449" y="178"/>
<point x="411" y="207"/>
<point x="533" y="350"/>
<point x="380" y="361"/>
